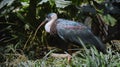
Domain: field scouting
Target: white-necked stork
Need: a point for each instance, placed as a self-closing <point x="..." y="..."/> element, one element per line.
<point x="72" y="31"/>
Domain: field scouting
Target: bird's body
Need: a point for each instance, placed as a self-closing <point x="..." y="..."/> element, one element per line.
<point x="73" y="32"/>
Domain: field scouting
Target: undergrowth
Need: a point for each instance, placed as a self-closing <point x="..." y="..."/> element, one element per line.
<point x="86" y="58"/>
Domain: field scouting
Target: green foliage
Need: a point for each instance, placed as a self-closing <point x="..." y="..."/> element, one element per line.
<point x="58" y="3"/>
<point x="90" y="58"/>
<point x="109" y="20"/>
<point x="4" y="2"/>
<point x="18" y="23"/>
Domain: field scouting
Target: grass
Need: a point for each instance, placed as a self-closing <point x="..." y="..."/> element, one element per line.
<point x="89" y="58"/>
<point x="82" y="58"/>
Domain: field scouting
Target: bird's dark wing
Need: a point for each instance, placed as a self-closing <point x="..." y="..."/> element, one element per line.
<point x="74" y="32"/>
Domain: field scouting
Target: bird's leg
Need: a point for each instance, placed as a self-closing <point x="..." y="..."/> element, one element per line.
<point x="69" y="57"/>
<point x="56" y="55"/>
<point x="66" y="55"/>
<point x="70" y="51"/>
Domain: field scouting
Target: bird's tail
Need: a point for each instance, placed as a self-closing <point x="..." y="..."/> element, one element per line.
<point x="98" y="44"/>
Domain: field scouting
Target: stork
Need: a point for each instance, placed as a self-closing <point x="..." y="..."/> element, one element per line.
<point x="72" y="32"/>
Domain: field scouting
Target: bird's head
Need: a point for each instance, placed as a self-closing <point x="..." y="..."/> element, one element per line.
<point x="50" y="16"/>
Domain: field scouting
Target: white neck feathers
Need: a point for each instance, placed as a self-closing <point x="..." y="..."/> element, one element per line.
<point x="48" y="25"/>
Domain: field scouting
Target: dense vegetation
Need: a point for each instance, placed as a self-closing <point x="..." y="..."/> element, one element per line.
<point x="20" y="46"/>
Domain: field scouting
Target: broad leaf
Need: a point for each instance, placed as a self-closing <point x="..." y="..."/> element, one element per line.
<point x="6" y="2"/>
<point x="58" y="3"/>
<point x="109" y="20"/>
<point x="62" y="3"/>
<point x="43" y="1"/>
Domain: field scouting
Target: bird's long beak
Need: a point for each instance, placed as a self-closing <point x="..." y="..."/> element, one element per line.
<point x="43" y="23"/>
<point x="39" y="27"/>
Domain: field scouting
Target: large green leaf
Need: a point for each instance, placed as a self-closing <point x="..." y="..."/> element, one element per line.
<point x="6" y="2"/>
<point x="109" y="20"/>
<point x="43" y="1"/>
<point x="58" y="3"/>
<point x="62" y="3"/>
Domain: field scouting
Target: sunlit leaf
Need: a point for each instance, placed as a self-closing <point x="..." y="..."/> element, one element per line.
<point x="100" y="1"/>
<point x="43" y="1"/>
<point x="27" y="27"/>
<point x="58" y="3"/>
<point x="24" y="3"/>
<point x="62" y="3"/>
<point x="109" y="20"/>
<point x="6" y="2"/>
<point x="52" y="2"/>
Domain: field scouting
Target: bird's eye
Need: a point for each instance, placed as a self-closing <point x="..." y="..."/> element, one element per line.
<point x="49" y="16"/>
